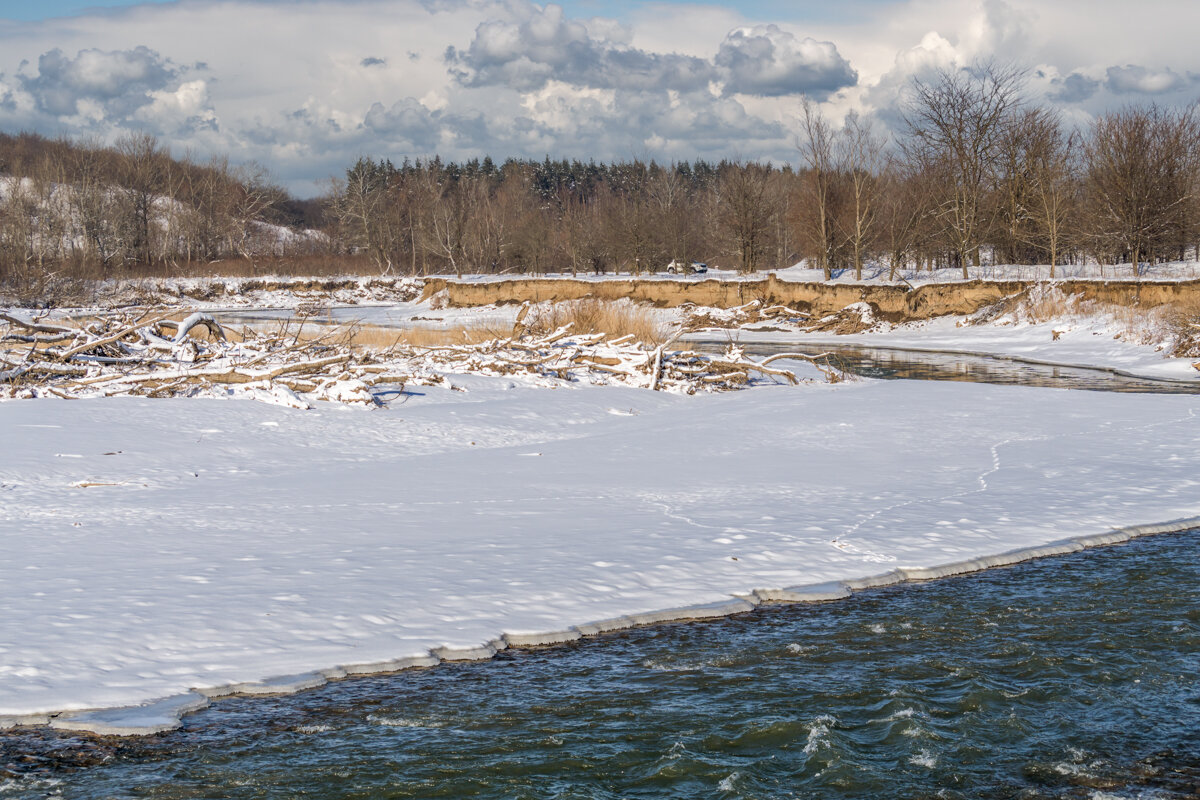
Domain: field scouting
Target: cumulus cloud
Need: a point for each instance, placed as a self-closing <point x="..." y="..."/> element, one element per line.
<point x="765" y="60"/>
<point x="372" y="61"/>
<point x="1133" y="79"/>
<point x="544" y="46"/>
<point x="997" y="28"/>
<point x="186" y="108"/>
<point x="407" y="121"/>
<point x="115" y="81"/>
<point x="1075" y="88"/>
<point x="8" y="101"/>
<point x="525" y="54"/>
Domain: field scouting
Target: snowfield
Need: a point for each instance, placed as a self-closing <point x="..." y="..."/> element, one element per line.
<point x="155" y="547"/>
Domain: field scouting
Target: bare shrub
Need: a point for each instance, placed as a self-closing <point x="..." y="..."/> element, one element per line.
<point x="1173" y="328"/>
<point x="1141" y="178"/>
<point x="1035" y="305"/>
<point x="614" y="319"/>
<point x="1183" y="321"/>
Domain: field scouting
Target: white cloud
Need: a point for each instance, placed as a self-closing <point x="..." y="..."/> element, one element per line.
<point x="768" y="61"/>
<point x="1132" y="79"/>
<point x="542" y="45"/>
<point x="186" y="108"/>
<point x="116" y="80"/>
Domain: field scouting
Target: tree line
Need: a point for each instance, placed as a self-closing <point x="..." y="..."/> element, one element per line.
<point x="975" y="173"/>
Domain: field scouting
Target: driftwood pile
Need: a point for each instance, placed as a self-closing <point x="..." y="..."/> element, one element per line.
<point x="696" y="318"/>
<point x="153" y="355"/>
<point x="757" y="315"/>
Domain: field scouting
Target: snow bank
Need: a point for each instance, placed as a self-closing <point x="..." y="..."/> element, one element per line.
<point x="185" y="549"/>
<point x="1095" y="342"/>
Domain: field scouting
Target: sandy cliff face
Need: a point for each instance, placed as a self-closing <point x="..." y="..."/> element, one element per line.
<point x="889" y="302"/>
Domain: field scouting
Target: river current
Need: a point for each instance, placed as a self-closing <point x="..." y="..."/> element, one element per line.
<point x="1073" y="676"/>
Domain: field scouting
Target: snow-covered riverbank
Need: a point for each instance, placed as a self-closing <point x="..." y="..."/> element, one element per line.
<point x="158" y="546"/>
<point x="1089" y="342"/>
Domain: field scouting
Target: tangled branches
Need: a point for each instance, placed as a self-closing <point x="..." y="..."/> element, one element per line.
<point x="153" y="355"/>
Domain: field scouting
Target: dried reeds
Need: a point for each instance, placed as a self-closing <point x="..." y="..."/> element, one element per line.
<point x="613" y="319"/>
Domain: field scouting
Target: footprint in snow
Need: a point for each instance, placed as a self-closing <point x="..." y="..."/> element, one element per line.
<point x="866" y="555"/>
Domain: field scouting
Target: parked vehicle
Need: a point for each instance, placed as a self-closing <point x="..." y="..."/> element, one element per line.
<point x="680" y="268"/>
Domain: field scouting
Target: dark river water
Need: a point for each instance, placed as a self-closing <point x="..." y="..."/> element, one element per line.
<point x="1068" y="677"/>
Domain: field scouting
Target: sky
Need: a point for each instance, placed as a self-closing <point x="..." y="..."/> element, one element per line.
<point x="305" y="87"/>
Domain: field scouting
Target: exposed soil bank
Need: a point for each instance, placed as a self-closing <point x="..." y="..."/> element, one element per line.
<point x="891" y="302"/>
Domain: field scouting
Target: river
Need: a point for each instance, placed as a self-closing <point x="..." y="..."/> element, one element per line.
<point x="1073" y="676"/>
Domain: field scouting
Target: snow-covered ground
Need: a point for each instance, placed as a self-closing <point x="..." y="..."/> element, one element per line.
<point x="874" y="273"/>
<point x="802" y="272"/>
<point x="158" y="546"/>
<point x="162" y="546"/>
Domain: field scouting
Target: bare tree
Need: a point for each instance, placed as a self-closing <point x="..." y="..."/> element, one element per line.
<point x="253" y="194"/>
<point x="142" y="178"/>
<point x="574" y="228"/>
<point x="1141" y="179"/>
<point x="486" y="234"/>
<point x="1054" y="190"/>
<point x="957" y="119"/>
<point x="903" y="211"/>
<point x="365" y="212"/>
<point x="860" y="154"/>
<point x="747" y="210"/>
<point x="672" y="210"/>
<point x="94" y="204"/>
<point x="817" y="150"/>
<point x="631" y="230"/>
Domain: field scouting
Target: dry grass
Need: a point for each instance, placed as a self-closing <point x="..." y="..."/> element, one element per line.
<point x="1173" y="328"/>
<point x="1183" y="319"/>
<point x="374" y="338"/>
<point x="614" y="319"/>
<point x="1036" y="305"/>
<point x="1050" y="305"/>
<point x="433" y="337"/>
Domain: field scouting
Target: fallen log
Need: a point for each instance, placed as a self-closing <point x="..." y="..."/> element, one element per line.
<point x="93" y="344"/>
<point x="195" y="320"/>
<point x="40" y="368"/>
<point x="37" y="327"/>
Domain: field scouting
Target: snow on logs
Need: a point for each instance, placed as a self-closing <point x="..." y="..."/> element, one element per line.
<point x="122" y="353"/>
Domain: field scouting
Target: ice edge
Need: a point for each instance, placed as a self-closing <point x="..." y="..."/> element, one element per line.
<point x="166" y="714"/>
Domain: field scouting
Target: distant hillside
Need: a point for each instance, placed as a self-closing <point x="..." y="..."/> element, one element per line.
<point x="133" y="205"/>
